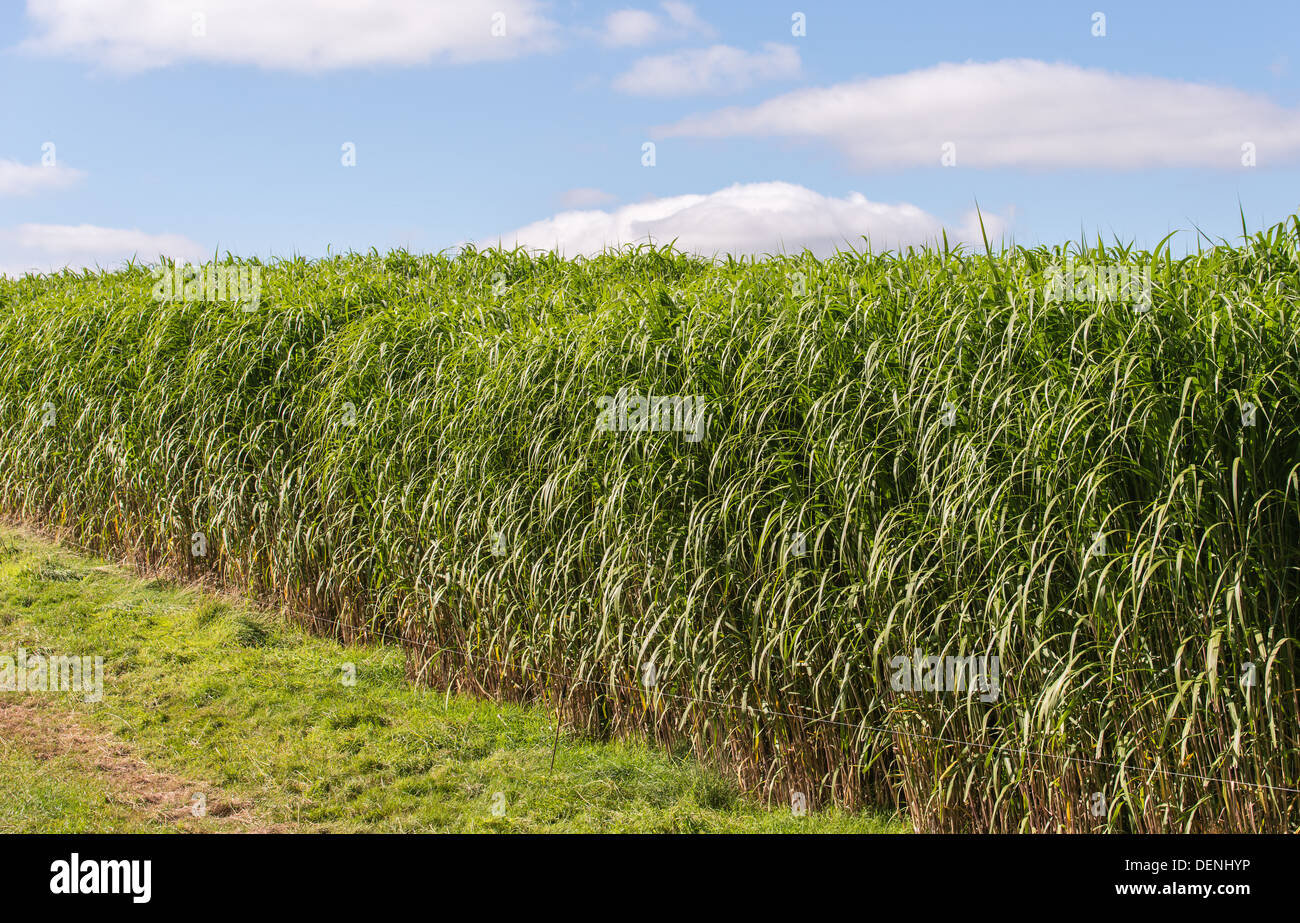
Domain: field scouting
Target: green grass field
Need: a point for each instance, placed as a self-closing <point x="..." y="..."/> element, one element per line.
<point x="217" y="698"/>
<point x="862" y="460"/>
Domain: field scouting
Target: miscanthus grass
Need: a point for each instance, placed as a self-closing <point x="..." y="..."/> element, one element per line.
<point x="904" y="455"/>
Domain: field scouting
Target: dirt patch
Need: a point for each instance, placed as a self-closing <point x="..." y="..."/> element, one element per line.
<point x="49" y="730"/>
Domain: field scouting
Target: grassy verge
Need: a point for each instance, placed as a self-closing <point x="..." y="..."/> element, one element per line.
<point x="58" y="795"/>
<point x="254" y="713"/>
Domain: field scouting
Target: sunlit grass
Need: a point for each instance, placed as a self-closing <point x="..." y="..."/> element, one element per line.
<point x="260" y="717"/>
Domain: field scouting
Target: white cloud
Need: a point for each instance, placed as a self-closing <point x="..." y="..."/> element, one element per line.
<point x="684" y="15"/>
<point x="753" y="218"/>
<point x="641" y="27"/>
<point x="586" y="197"/>
<point x="1019" y="113"/>
<point x="295" y="35"/>
<point x="718" y="69"/>
<point x="631" y="27"/>
<point x="50" y="247"/>
<point x="21" y="179"/>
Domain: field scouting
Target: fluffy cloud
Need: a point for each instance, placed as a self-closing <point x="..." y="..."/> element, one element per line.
<point x="49" y="247"/>
<point x="297" y="35"/>
<point x="718" y="69"/>
<point x="684" y="15"/>
<point x="753" y="218"/>
<point x="21" y="179"/>
<point x="631" y="27"/>
<point x="641" y="27"/>
<point x="1019" y="113"/>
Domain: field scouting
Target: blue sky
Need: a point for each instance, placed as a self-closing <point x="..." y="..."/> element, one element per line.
<point x="167" y="140"/>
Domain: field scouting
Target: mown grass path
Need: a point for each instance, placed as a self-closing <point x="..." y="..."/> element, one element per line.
<point x="206" y="695"/>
